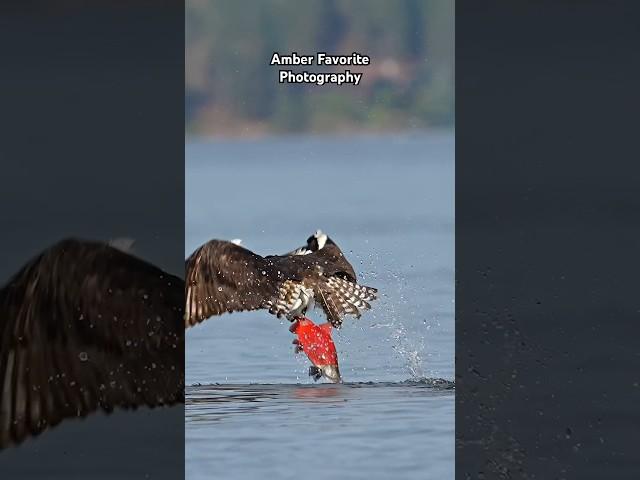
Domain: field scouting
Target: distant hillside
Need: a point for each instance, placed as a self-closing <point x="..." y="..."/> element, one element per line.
<point x="232" y="90"/>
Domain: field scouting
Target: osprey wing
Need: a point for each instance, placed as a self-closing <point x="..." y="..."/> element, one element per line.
<point x="225" y="277"/>
<point x="84" y="326"/>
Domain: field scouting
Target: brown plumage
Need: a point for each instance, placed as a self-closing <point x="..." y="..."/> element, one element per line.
<point x="83" y="327"/>
<point x="225" y="277"/>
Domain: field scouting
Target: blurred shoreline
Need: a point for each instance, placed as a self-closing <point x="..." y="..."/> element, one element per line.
<point x="353" y="133"/>
<point x="232" y="90"/>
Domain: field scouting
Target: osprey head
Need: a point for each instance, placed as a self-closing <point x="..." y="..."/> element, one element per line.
<point x="315" y="242"/>
<point x="318" y="241"/>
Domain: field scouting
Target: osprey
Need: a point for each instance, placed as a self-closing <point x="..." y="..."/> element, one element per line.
<point x="225" y="277"/>
<point x="85" y="326"/>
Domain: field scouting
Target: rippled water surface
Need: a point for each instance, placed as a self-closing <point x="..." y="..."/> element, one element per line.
<point x="252" y="411"/>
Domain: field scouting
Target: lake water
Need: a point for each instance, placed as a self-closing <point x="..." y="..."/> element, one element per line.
<point x="388" y="202"/>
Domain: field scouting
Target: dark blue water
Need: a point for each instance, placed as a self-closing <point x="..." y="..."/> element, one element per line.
<point x="252" y="411"/>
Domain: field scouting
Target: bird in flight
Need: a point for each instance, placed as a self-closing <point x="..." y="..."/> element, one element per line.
<point x="226" y="277"/>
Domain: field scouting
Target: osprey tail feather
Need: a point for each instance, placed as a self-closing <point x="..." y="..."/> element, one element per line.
<point x="343" y="297"/>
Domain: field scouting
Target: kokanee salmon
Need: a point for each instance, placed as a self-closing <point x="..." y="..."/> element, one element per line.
<point x="316" y="342"/>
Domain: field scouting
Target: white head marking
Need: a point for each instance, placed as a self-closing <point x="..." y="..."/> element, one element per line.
<point x="321" y="238"/>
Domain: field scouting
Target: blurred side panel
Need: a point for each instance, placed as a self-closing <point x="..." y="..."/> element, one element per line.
<point x="92" y="122"/>
<point x="547" y="240"/>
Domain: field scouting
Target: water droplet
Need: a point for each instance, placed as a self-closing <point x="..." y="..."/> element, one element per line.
<point x="219" y="289"/>
<point x="83" y="356"/>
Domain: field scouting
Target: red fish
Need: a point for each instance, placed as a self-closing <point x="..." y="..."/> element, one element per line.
<point x="316" y="342"/>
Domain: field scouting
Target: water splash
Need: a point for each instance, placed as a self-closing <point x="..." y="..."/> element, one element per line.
<point x="408" y="344"/>
<point x="408" y="350"/>
<point x="408" y="323"/>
